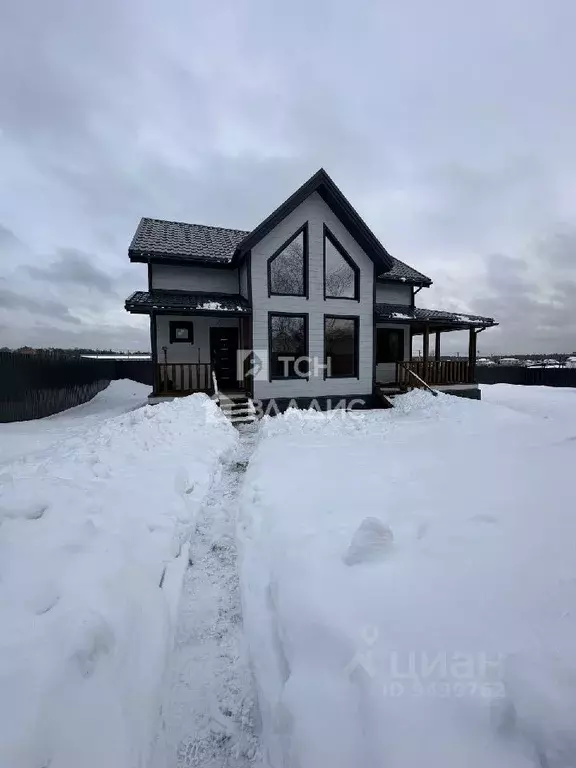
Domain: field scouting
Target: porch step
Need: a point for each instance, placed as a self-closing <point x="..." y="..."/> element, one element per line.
<point x="386" y="396"/>
<point x="238" y="408"/>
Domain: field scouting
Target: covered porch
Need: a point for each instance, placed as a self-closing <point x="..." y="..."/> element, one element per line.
<point x="397" y="367"/>
<point x="195" y="341"/>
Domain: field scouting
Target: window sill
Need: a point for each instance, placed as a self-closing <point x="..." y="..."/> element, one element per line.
<point x="288" y="295"/>
<point x="343" y="376"/>
<point x="290" y="378"/>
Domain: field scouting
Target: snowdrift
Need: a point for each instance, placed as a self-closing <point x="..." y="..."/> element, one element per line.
<point x="89" y="529"/>
<point x="408" y="582"/>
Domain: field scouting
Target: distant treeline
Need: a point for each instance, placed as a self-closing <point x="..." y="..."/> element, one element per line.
<point x="561" y="357"/>
<point x="75" y="352"/>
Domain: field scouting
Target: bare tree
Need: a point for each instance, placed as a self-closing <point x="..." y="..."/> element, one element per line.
<point x="287" y="269"/>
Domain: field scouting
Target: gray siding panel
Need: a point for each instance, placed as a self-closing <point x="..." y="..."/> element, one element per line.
<point x="393" y="293"/>
<point x="316" y="213"/>
<point x="243" y="270"/>
<point x="199" y="352"/>
<point x="173" y="277"/>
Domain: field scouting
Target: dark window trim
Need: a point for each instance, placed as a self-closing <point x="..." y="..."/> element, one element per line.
<point x="403" y="345"/>
<point x="174" y="324"/>
<point x="347" y="258"/>
<point x="356" y="374"/>
<point x="305" y="295"/>
<point x="305" y="316"/>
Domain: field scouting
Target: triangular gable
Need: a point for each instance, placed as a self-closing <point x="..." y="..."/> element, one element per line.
<point x="335" y="200"/>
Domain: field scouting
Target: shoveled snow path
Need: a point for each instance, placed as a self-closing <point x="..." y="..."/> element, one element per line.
<point x="209" y="716"/>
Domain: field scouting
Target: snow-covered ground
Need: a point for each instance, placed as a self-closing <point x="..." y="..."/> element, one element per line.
<point x="409" y="583"/>
<point x="209" y="715"/>
<point x="554" y="403"/>
<point x="95" y="515"/>
<point x="25" y="437"/>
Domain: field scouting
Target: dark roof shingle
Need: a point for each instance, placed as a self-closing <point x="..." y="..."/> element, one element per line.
<point x="401" y="272"/>
<point x="142" y="302"/>
<point x="401" y="312"/>
<point x="159" y="239"/>
<point x="190" y="242"/>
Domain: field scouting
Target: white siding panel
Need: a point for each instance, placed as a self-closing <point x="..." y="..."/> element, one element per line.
<point x="172" y="277"/>
<point x="393" y="293"/>
<point x="181" y="352"/>
<point x="316" y="213"/>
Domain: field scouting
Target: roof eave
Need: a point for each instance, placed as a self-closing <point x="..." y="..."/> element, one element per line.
<point x="137" y="255"/>
<point x="404" y="280"/>
<point x="136" y="309"/>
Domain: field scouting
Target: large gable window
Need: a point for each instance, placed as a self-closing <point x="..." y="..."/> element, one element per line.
<point x="288" y="345"/>
<point x="288" y="267"/>
<point x="341" y="274"/>
<point x="341" y="346"/>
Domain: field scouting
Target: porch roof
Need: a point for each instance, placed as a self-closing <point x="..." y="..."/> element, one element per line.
<point x="181" y="302"/>
<point x="418" y="318"/>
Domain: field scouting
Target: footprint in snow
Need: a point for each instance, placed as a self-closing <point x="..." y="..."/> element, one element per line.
<point x="372" y="541"/>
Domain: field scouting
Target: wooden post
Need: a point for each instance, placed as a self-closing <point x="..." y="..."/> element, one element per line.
<point x="154" y="352"/>
<point x="425" y="344"/>
<point x="472" y="355"/>
<point x="437" y="350"/>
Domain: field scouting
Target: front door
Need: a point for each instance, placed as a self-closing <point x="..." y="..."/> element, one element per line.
<point x="223" y="353"/>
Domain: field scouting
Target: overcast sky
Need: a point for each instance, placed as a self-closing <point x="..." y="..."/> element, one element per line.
<point x="449" y="125"/>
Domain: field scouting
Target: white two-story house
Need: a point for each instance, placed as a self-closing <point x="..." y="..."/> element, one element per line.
<point x="307" y="307"/>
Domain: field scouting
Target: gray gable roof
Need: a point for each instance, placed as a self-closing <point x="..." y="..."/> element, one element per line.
<point x="215" y="246"/>
<point x="321" y="183"/>
<point x="220" y="247"/>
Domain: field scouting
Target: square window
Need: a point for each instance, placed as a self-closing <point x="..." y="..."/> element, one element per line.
<point x="341" y="346"/>
<point x="181" y="331"/>
<point x="288" y="345"/>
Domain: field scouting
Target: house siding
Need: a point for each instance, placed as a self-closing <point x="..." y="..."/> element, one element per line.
<point x="243" y="279"/>
<point x="173" y="277"/>
<point x="393" y="293"/>
<point x="181" y="352"/>
<point x="386" y="372"/>
<point x="316" y="213"/>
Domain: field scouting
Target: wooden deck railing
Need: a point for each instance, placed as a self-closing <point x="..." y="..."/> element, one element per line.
<point x="182" y="378"/>
<point x="434" y="372"/>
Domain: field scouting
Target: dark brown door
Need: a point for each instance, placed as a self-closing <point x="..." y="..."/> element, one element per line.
<point x="223" y="353"/>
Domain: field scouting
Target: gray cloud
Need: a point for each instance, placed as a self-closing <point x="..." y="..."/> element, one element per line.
<point x="10" y="300"/>
<point x="74" y="267"/>
<point x="452" y="134"/>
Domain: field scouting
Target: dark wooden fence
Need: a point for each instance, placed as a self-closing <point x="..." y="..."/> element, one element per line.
<point x="516" y="374"/>
<point x="38" y="385"/>
<point x="137" y="370"/>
